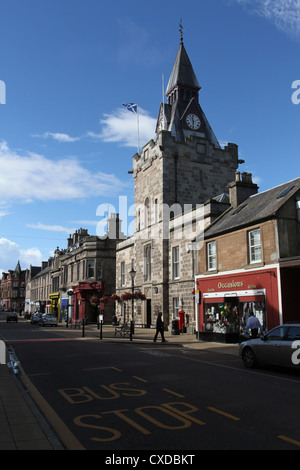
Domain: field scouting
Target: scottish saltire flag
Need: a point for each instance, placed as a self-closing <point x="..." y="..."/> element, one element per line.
<point x="131" y="107"/>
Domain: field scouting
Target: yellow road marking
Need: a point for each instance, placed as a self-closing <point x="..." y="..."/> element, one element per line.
<point x="66" y="436"/>
<point x="103" y="368"/>
<point x="211" y="408"/>
<point x="173" y="393"/>
<point x="289" y="439"/>
<point x="140" y="379"/>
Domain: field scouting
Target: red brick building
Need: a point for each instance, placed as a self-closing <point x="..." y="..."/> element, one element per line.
<point x="250" y="262"/>
<point x="12" y="291"/>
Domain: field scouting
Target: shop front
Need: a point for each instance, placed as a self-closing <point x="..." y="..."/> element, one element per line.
<point x="64" y="306"/>
<point x="224" y="304"/>
<point x="55" y="304"/>
<point x="86" y="301"/>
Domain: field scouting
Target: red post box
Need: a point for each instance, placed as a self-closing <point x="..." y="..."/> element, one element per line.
<point x="181" y="315"/>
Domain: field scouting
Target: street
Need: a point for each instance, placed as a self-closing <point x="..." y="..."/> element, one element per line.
<point x="117" y="395"/>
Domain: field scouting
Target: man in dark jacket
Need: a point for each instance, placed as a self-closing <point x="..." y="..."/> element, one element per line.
<point x="160" y="328"/>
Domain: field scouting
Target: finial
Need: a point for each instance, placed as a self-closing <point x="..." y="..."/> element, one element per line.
<point x="181" y="31"/>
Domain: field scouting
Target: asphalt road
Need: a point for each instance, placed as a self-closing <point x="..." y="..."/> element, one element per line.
<point x="121" y="396"/>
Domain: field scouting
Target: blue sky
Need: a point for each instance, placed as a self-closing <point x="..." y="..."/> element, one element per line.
<point x="66" y="141"/>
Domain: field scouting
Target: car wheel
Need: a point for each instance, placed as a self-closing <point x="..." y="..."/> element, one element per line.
<point x="249" y="358"/>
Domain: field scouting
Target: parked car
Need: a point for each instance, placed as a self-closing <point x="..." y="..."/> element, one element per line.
<point x="48" y="320"/>
<point x="35" y="318"/>
<point x="12" y="316"/>
<point x="279" y="347"/>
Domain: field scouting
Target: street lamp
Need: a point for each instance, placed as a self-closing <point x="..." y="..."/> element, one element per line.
<point x="132" y="274"/>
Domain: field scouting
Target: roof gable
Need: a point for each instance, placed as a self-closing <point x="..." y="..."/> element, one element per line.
<point x="256" y="208"/>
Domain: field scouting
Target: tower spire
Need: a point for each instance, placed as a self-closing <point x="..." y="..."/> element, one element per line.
<point x="181" y="31"/>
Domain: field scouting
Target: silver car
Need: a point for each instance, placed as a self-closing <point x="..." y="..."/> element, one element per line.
<point x="48" y="320"/>
<point x="281" y="346"/>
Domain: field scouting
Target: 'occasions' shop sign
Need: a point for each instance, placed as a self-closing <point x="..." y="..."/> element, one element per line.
<point x="230" y="285"/>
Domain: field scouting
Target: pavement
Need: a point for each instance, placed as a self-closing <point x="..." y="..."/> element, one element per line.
<point x="22" y="425"/>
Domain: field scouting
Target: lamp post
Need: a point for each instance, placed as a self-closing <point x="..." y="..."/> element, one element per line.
<point x="132" y="274"/>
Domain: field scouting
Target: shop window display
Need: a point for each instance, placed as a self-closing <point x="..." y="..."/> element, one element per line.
<point x="231" y="315"/>
<point x="257" y="308"/>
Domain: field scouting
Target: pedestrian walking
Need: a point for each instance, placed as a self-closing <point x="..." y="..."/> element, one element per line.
<point x="253" y="324"/>
<point x="160" y="328"/>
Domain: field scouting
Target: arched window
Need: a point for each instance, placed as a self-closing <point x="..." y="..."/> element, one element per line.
<point x="147" y="218"/>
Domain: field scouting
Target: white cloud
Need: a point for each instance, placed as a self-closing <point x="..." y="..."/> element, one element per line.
<point x="30" y="176"/>
<point x="3" y="214"/>
<point x="32" y="256"/>
<point x="60" y="137"/>
<point x="51" y="228"/>
<point x="11" y="253"/>
<point x="122" y="126"/>
<point x="284" y="13"/>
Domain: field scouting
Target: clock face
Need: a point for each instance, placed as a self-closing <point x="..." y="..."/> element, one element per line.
<point x="193" y="121"/>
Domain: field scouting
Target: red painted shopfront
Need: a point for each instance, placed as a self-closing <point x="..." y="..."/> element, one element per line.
<point x="82" y="305"/>
<point x="224" y="303"/>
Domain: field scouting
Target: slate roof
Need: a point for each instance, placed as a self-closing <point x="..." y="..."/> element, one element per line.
<point x="261" y="206"/>
<point x="183" y="72"/>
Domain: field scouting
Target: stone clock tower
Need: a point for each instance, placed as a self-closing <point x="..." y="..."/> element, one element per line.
<point x="182" y="115"/>
<point x="183" y="165"/>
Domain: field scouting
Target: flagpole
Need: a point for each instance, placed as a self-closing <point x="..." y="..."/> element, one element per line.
<point x="163" y="99"/>
<point x="138" y="128"/>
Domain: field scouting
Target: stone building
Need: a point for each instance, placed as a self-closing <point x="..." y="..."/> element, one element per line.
<point x="84" y="271"/>
<point x="12" y="289"/>
<point x="180" y="170"/>
<point x="250" y="261"/>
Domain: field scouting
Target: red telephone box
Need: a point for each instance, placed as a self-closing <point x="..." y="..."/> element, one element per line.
<point x="181" y="315"/>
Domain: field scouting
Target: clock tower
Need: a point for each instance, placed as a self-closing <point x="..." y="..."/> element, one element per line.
<point x="182" y="167"/>
<point x="182" y="115"/>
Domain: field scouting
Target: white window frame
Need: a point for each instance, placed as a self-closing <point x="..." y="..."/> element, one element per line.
<point x="175" y="262"/>
<point x="122" y="273"/>
<point x="176" y="307"/>
<point x="254" y="246"/>
<point x="211" y="251"/>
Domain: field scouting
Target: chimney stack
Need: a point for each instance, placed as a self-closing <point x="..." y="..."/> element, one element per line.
<point x="241" y="189"/>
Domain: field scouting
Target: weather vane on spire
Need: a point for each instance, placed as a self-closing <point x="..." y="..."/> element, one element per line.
<point x="181" y="31"/>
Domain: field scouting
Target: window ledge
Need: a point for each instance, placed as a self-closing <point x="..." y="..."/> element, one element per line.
<point x="258" y="264"/>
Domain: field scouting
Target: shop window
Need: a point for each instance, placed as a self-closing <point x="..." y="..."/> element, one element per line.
<point x="231" y="315"/>
<point x="222" y="317"/>
<point x="254" y="242"/>
<point x="257" y="308"/>
<point x="211" y="256"/>
<point x="175" y="262"/>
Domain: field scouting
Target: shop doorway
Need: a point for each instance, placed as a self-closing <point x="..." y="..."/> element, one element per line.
<point x="91" y="313"/>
